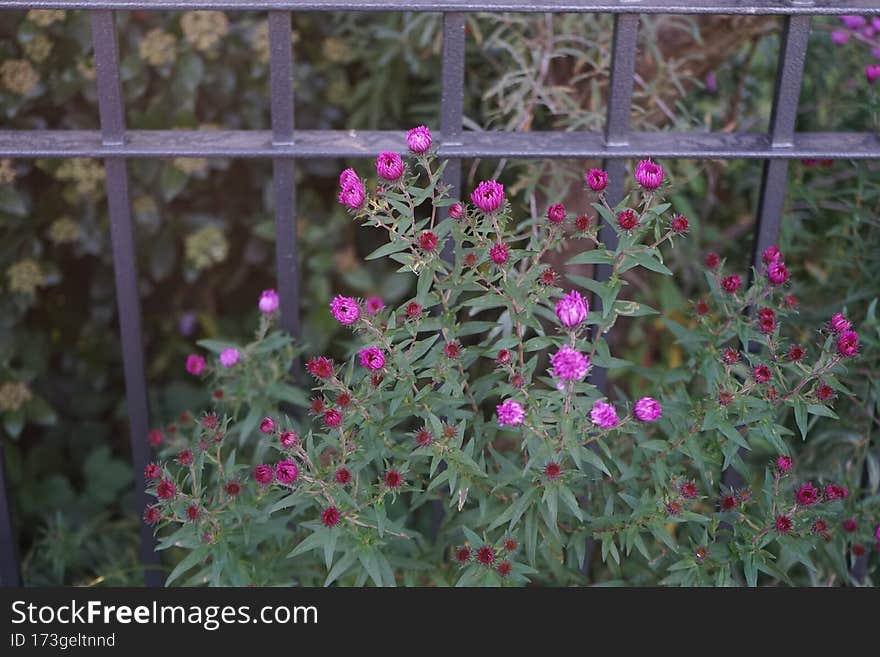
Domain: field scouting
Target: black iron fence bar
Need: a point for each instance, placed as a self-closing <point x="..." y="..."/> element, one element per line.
<point x="760" y="7"/>
<point x="284" y="168"/>
<point x="10" y="573"/>
<point x="452" y="96"/>
<point x="112" y="121"/>
<point x="490" y="144"/>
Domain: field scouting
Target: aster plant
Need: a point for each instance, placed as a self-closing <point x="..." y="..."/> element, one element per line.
<point x="462" y="442"/>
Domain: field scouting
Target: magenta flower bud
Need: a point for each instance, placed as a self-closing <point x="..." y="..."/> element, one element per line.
<point x="372" y="358"/>
<point x="569" y="364"/>
<point x="777" y="273"/>
<point x="783" y="464"/>
<point x="872" y="73"/>
<point x="498" y="253"/>
<point x="572" y="309"/>
<point x="456" y="211"/>
<point x="345" y="309"/>
<point x="772" y="254"/>
<point x="264" y="474"/>
<point x="267" y="425"/>
<point x="374" y="305"/>
<point x="839" y="37"/>
<point x="807" y="494"/>
<point x="848" y="344"/>
<point x="731" y="283"/>
<point x="229" y="357"/>
<point x="649" y="175"/>
<point x="647" y="409"/>
<point x="597" y="179"/>
<point x="268" y="302"/>
<point x="488" y="196"/>
<point x="839" y="323"/>
<point x="351" y="190"/>
<point x="286" y="472"/>
<point x="418" y="139"/>
<point x="604" y="415"/>
<point x="195" y="364"/>
<point x="853" y="22"/>
<point x="556" y="213"/>
<point x="288" y="439"/>
<point x="510" y="414"/>
<point x="389" y="166"/>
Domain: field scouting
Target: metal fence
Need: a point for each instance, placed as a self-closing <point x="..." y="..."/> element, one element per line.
<point x="285" y="145"/>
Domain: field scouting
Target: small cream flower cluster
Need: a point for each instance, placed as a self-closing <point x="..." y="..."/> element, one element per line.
<point x="7" y="172"/>
<point x="24" y="276"/>
<point x="64" y="230"/>
<point x="158" y="47"/>
<point x="14" y="395"/>
<point x="204" y="28"/>
<point x="19" y="76"/>
<point x="45" y="17"/>
<point x="87" y="174"/>
<point x="206" y="247"/>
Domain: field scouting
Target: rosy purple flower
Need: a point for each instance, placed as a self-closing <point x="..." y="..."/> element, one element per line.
<point x="288" y="438"/>
<point x="872" y="73"/>
<point x="351" y="190"/>
<point x="777" y="273"/>
<point x="848" y="344"/>
<point x="572" y="309"/>
<point x="807" y="494"/>
<point x="836" y="492"/>
<point x="731" y="283"/>
<point x="556" y="213"/>
<point x="772" y="254"/>
<point x="603" y="415"/>
<point x="372" y="358"/>
<point x="195" y="364"/>
<point x="229" y="357"/>
<point x="510" y="414"/>
<point x="784" y="524"/>
<point x="839" y="37"/>
<point x="389" y="166"/>
<point x="783" y="464"/>
<point x="374" y="304"/>
<point x="762" y="373"/>
<point x="488" y="196"/>
<point x="267" y="425"/>
<point x="627" y="220"/>
<point x="853" y="22"/>
<point x="456" y="211"/>
<point x="286" y="472"/>
<point x="839" y="323"/>
<point x="597" y="179"/>
<point x="345" y="309"/>
<point x="649" y="175"/>
<point x="569" y="364"/>
<point x="647" y="409"/>
<point x="498" y="253"/>
<point x="264" y="474"/>
<point x="268" y="302"/>
<point x="418" y="139"/>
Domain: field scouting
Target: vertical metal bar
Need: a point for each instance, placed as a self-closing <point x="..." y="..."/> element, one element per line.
<point x="10" y="572"/>
<point x="284" y="168"/>
<point x="617" y="129"/>
<point x="124" y="270"/>
<point x="452" y="102"/>
<point x="790" y="73"/>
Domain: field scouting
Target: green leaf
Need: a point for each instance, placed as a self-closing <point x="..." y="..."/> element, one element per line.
<point x="800" y="416"/>
<point x="195" y="557"/>
<point x="387" y="249"/>
<point x="592" y="257"/>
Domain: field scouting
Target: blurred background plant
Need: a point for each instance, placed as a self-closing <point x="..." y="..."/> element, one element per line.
<point x="203" y="255"/>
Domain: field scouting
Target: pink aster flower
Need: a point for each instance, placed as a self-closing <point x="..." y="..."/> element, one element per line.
<point x="784" y="524"/>
<point x="839" y="37"/>
<point x="372" y="358"/>
<point x="498" y="253"/>
<point x="264" y="474"/>
<point x="389" y="166"/>
<point x="488" y="196"/>
<point x="839" y="323"/>
<point x="288" y="438"/>
<point x="351" y="190"/>
<point x="569" y="364"/>
<point x="807" y="494"/>
<point x="456" y="211"/>
<point x="374" y="304"/>
<point x="597" y="179"/>
<point x="268" y="302"/>
<point x="647" y="409"/>
<point x="771" y="254"/>
<point x="649" y="175"/>
<point x="332" y="417"/>
<point x="229" y="357"/>
<point x="836" y="492"/>
<point x="731" y="283"/>
<point x="572" y="309"/>
<point x="418" y="139"/>
<point x="777" y="273"/>
<point x="872" y="73"/>
<point x="286" y="472"/>
<point x="195" y="364"/>
<point x="267" y="425"/>
<point x="321" y="367"/>
<point x="852" y="22"/>
<point x="510" y="414"/>
<point x="556" y="213"/>
<point x="848" y="344"/>
<point x="783" y="464"/>
<point x="345" y="309"/>
<point x="604" y="415"/>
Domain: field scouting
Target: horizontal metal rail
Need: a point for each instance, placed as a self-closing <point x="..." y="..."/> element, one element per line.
<point x="765" y="7"/>
<point x="367" y="143"/>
